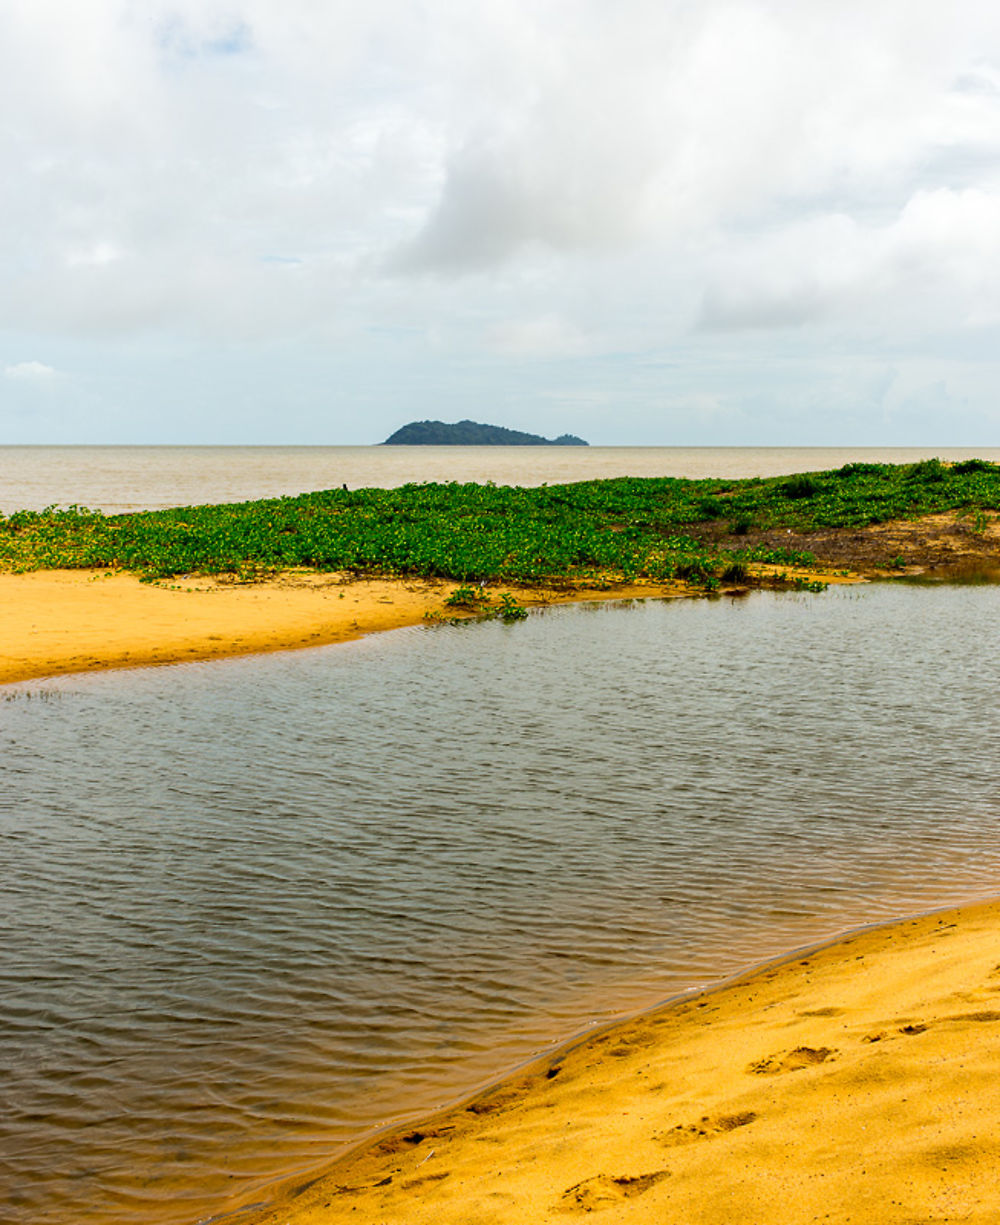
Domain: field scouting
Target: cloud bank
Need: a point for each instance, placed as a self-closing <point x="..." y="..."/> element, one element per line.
<point x="435" y="189"/>
<point x="29" y="372"/>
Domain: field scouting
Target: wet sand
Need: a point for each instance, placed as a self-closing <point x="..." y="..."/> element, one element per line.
<point x="856" y="1082"/>
<point x="60" y="621"/>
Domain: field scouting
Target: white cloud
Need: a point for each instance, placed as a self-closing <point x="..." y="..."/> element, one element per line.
<point x="94" y="255"/>
<point x="544" y="336"/>
<point x="932" y="263"/>
<point x="520" y="178"/>
<point x="29" y="372"/>
<point x="454" y="140"/>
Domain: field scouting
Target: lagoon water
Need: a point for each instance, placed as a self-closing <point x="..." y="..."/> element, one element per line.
<point x="116" y="479"/>
<point x="254" y="908"/>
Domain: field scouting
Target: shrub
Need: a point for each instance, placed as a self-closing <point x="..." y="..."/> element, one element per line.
<point x="710" y="508"/>
<point x="928" y="470"/>
<point x="802" y="486"/>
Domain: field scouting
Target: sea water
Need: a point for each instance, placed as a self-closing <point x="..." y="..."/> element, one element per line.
<point x="116" y="479"/>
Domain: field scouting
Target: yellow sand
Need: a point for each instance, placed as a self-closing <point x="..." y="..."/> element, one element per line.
<point x="59" y="621"/>
<point x="859" y="1083"/>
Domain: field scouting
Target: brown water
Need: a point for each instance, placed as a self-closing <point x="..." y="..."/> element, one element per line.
<point x="143" y="478"/>
<point x="252" y="909"/>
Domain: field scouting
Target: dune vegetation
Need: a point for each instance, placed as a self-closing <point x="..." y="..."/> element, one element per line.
<point x="701" y="531"/>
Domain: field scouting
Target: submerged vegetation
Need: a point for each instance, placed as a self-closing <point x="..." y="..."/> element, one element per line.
<point x="625" y="527"/>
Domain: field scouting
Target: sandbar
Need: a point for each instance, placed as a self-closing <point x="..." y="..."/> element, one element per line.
<point x="62" y="621"/>
<point x="856" y="1082"/>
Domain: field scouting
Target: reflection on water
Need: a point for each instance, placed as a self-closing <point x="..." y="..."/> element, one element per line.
<point x="966" y="572"/>
<point x="252" y="908"/>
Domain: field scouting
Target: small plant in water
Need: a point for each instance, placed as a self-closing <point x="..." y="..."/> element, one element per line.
<point x="509" y="609"/>
<point x="475" y="599"/>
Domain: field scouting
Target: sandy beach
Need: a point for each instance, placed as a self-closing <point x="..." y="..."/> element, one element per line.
<point x="853" y="1083"/>
<point x="63" y="621"/>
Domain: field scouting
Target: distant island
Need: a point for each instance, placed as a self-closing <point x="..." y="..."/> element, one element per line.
<point x="472" y="434"/>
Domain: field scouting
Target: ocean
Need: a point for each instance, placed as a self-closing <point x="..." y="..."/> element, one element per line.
<point x="115" y="479"/>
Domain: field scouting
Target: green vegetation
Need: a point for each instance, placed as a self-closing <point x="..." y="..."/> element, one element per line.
<point x="472" y="434"/>
<point x="480" y="601"/>
<point x="471" y="599"/>
<point x="589" y="530"/>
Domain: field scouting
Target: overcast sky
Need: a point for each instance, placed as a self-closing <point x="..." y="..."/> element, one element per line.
<point x="647" y="222"/>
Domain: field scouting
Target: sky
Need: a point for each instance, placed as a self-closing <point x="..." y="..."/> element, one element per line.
<point x="657" y="222"/>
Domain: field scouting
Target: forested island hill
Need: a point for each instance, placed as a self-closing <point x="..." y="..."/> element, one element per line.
<point x="472" y="434"/>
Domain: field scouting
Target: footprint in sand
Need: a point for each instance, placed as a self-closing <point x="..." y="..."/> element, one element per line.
<point x="792" y="1061"/>
<point x="603" y="1191"/>
<point x="402" y="1143"/>
<point x="704" y="1129"/>
<point x="911" y="1028"/>
<point x="424" y="1179"/>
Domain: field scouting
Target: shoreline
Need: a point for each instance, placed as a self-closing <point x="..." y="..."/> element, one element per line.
<point x="859" y="1066"/>
<point x="59" y="622"/>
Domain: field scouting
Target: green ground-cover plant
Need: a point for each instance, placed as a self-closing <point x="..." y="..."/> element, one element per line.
<point x="470" y="598"/>
<point x="628" y="527"/>
<point x="480" y="601"/>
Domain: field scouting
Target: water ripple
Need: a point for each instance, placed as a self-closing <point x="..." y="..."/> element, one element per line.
<point x="253" y="908"/>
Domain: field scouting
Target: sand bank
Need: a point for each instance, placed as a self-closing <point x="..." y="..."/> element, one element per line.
<point x="853" y="1083"/>
<point x="60" y="621"/>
